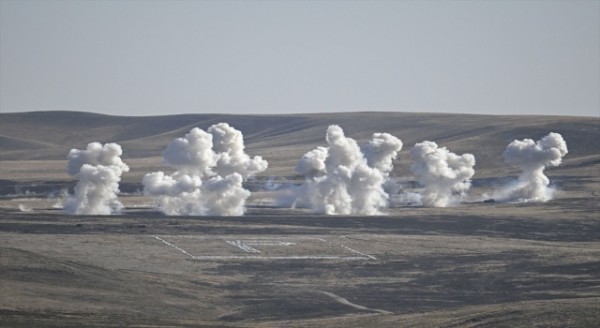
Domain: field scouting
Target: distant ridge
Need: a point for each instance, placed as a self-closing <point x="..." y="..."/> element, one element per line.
<point x="49" y="135"/>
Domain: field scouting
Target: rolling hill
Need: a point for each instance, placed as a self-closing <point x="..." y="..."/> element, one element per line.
<point x="282" y="139"/>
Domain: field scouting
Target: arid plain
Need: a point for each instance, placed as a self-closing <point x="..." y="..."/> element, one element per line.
<point x="473" y="265"/>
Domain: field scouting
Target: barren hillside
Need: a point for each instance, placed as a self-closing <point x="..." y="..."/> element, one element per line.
<point x="282" y="139"/>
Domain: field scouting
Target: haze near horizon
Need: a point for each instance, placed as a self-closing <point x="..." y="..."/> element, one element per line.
<point x="267" y="57"/>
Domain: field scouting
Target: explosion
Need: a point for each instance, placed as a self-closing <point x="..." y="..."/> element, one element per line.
<point x="98" y="169"/>
<point x="532" y="158"/>
<point x="345" y="178"/>
<point x="210" y="169"/>
<point x="445" y="175"/>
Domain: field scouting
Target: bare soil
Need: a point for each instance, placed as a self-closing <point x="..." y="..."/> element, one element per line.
<point x="501" y="265"/>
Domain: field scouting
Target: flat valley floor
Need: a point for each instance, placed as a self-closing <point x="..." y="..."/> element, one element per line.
<point x="481" y="265"/>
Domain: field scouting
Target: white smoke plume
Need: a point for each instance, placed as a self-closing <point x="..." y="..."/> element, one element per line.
<point x="24" y="208"/>
<point x="445" y="176"/>
<point x="58" y="198"/>
<point x="98" y="169"/>
<point x="210" y="169"/>
<point x="345" y="178"/>
<point x="532" y="158"/>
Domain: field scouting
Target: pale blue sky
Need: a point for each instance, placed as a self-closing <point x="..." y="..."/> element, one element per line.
<point x="163" y="57"/>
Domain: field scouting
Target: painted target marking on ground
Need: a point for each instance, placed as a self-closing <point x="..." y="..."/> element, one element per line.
<point x="261" y="248"/>
<point x="241" y="245"/>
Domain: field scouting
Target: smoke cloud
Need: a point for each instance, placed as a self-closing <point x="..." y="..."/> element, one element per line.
<point x="344" y="178"/>
<point x="532" y="158"/>
<point x="445" y="176"/>
<point x="210" y="169"/>
<point x="98" y="169"/>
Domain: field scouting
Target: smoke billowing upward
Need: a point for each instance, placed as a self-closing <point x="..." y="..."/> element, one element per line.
<point x="98" y="169"/>
<point x="345" y="178"/>
<point x="210" y="169"/>
<point x="445" y="176"/>
<point x="532" y="158"/>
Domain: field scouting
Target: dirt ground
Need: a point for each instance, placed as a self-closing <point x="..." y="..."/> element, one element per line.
<point x="482" y="265"/>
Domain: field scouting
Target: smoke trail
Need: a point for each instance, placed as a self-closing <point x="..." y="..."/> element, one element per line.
<point x="210" y="169"/>
<point x="98" y="169"/>
<point x="345" y="178"/>
<point x="445" y="175"/>
<point x="58" y="198"/>
<point x="532" y="158"/>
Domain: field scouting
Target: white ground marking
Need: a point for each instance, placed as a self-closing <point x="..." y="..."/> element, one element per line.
<point x="356" y="306"/>
<point x="289" y="257"/>
<point x="248" y="239"/>
<point x="239" y="244"/>
<point x="175" y="246"/>
<point x="357" y="252"/>
<point x="271" y="241"/>
<point x="268" y="243"/>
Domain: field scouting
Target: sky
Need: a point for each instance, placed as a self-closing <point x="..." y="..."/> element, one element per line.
<point x="267" y="57"/>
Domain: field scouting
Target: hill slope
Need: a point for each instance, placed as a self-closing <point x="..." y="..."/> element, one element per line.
<point x="282" y="139"/>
